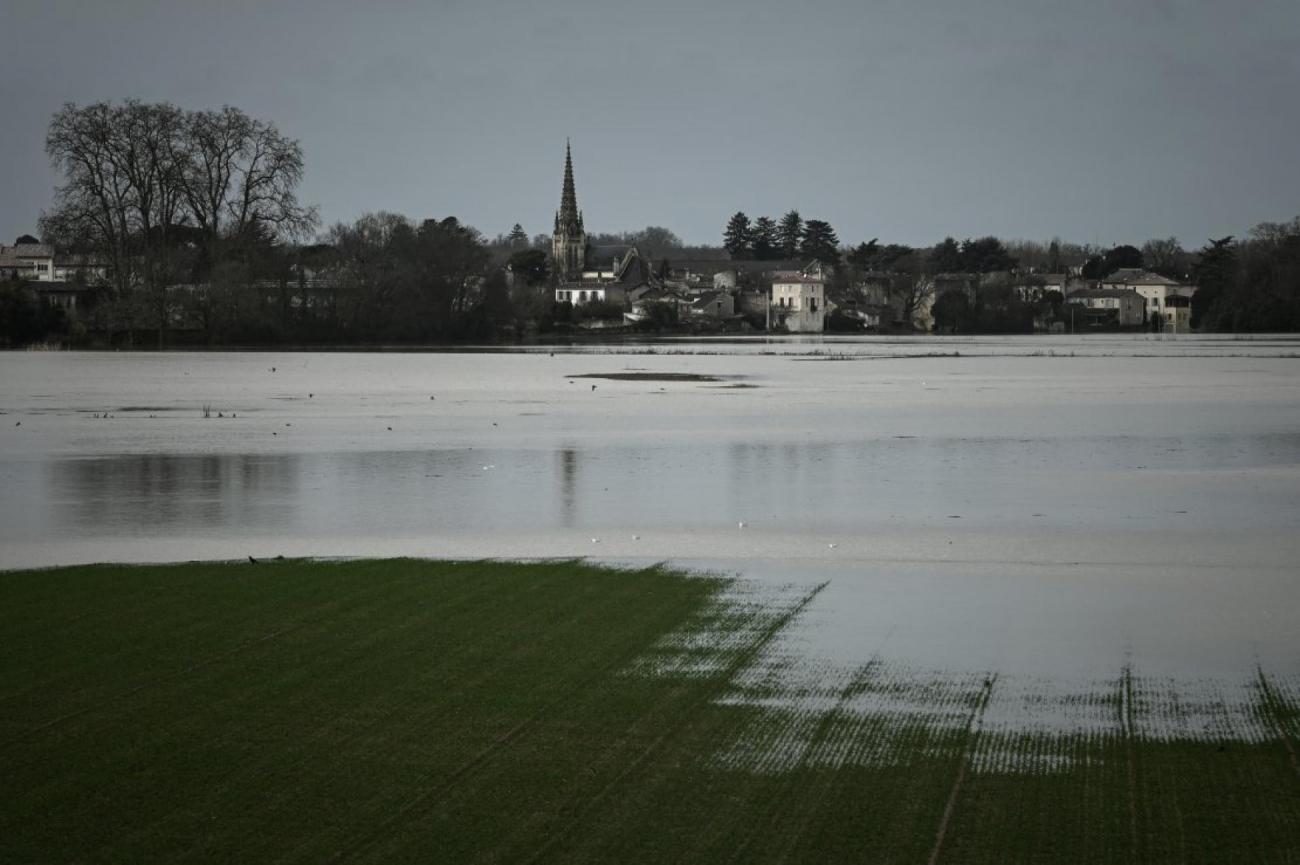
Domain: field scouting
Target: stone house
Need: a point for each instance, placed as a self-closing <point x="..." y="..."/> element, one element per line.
<point x="797" y="303"/>
<point x="1121" y="307"/>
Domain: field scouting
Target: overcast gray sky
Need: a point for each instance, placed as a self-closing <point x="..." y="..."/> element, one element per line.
<point x="1099" y="122"/>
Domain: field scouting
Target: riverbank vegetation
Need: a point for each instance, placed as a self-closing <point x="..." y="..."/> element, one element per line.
<point x="416" y="711"/>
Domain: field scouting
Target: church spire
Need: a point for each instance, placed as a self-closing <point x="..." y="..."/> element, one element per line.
<point x="569" y="198"/>
<point x="569" y="242"/>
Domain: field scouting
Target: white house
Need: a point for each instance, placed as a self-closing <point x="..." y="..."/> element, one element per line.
<point x="797" y="303"/>
<point x="1164" y="297"/>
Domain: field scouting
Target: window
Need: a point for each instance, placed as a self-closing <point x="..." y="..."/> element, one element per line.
<point x="813" y="304"/>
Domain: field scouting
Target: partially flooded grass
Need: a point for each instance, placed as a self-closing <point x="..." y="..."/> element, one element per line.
<point x="420" y="711"/>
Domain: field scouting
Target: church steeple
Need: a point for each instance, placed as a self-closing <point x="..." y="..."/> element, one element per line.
<point x="569" y="242"/>
<point x="569" y="197"/>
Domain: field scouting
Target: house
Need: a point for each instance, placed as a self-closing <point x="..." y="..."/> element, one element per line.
<point x="643" y="300"/>
<point x="629" y="277"/>
<point x="797" y="303"/>
<point x="36" y="262"/>
<point x="715" y="304"/>
<point x="26" y="260"/>
<point x="1033" y="287"/>
<point x="1117" y="307"/>
<point x="1167" y="299"/>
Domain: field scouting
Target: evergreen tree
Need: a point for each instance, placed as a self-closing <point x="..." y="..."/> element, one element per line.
<point x="985" y="255"/>
<point x="790" y="234"/>
<point x="737" y="237"/>
<point x="946" y="256"/>
<point x="764" y="238"/>
<point x="1215" y="273"/>
<point x="518" y="238"/>
<point x="819" y="242"/>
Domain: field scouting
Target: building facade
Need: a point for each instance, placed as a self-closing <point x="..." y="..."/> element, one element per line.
<point x="1120" y="307"/>
<point x="797" y="303"/>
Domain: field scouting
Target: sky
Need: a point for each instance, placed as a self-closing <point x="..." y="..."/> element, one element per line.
<point x="1097" y="122"/>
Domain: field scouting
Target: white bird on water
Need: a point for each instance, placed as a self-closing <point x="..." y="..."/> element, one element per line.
<point x="742" y="524"/>
<point x="595" y="540"/>
<point x="832" y="546"/>
<point x="636" y="537"/>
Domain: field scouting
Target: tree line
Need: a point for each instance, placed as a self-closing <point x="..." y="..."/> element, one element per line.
<point x="793" y="237"/>
<point x="195" y="216"/>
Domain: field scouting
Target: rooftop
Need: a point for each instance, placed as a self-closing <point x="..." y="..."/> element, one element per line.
<point x="1137" y="276"/>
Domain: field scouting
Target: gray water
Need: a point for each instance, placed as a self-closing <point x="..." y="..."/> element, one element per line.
<point x="1043" y="507"/>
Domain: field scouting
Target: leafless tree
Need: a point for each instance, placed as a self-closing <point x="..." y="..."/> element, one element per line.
<point x="136" y="174"/>
<point x="239" y="171"/>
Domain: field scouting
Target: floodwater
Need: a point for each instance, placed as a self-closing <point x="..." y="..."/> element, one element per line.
<point x="1053" y="510"/>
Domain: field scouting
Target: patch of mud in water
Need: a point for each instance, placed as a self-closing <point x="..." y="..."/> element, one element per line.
<point x="653" y="376"/>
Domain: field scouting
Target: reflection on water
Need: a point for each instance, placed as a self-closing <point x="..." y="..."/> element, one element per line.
<point x="141" y="494"/>
<point x="1084" y="483"/>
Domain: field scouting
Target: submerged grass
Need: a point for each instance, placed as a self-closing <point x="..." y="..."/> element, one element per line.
<point x="418" y="711"/>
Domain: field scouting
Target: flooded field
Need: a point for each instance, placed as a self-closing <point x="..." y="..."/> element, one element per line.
<point x="1038" y="536"/>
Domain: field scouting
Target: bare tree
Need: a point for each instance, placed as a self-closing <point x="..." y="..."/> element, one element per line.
<point x="94" y="208"/>
<point x="910" y="289"/>
<point x="1167" y="257"/>
<point x="139" y="176"/>
<point x="239" y="170"/>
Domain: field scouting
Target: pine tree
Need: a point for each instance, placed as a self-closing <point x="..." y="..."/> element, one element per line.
<point x="763" y="238"/>
<point x="790" y="234"/>
<point x="518" y="237"/>
<point x="737" y="236"/>
<point x="820" y="242"/>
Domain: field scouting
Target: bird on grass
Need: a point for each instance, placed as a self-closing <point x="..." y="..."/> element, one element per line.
<point x="252" y="561"/>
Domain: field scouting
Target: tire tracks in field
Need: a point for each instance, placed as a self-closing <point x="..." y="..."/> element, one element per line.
<point x="685" y="715"/>
<point x="304" y="618"/>
<point x="485" y="755"/>
<point x="1126" y="718"/>
<point x="856" y="685"/>
<point x="973" y="728"/>
<point x="1272" y="710"/>
<point x="149" y="683"/>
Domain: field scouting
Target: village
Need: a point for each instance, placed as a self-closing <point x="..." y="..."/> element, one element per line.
<point x="518" y="291"/>
<point x="798" y="296"/>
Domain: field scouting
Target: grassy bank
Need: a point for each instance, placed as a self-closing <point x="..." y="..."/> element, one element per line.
<point x="390" y="711"/>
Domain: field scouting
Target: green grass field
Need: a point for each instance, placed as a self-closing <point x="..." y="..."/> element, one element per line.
<point x="416" y="711"/>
